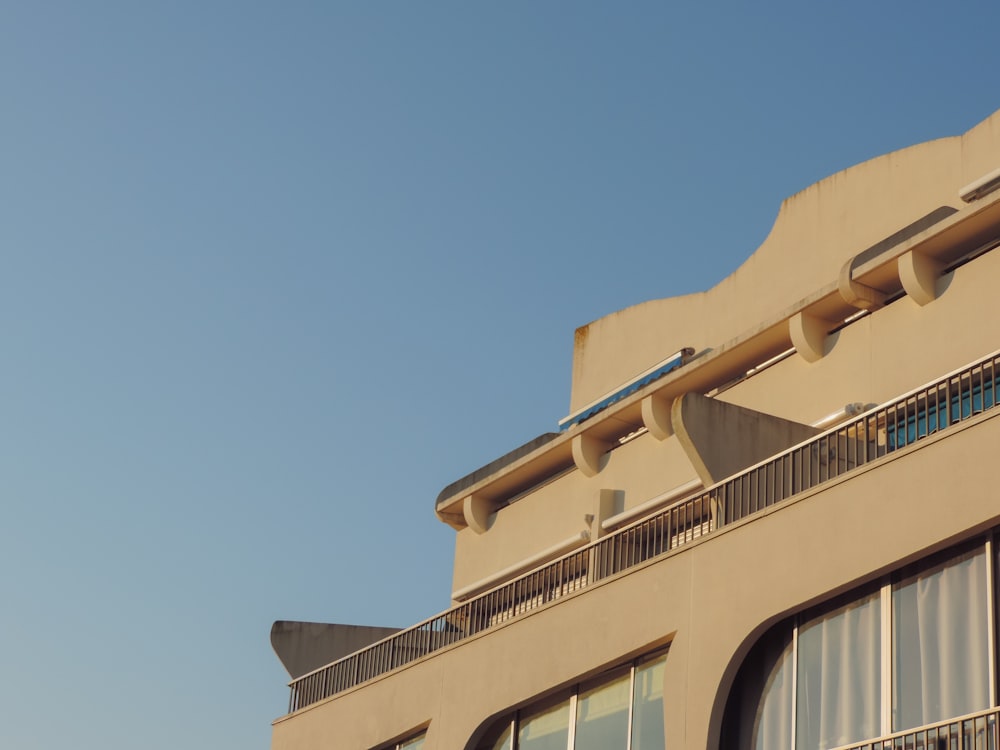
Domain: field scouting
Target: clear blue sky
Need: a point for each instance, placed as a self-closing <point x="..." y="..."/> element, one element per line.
<point x="274" y="274"/>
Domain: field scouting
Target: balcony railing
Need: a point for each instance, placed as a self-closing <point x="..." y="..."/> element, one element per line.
<point x="910" y="418"/>
<point x="976" y="731"/>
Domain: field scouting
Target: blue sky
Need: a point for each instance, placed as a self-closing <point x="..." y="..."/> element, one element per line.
<point x="274" y="274"/>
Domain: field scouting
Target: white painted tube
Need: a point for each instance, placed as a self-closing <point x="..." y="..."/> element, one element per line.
<point x="650" y="505"/>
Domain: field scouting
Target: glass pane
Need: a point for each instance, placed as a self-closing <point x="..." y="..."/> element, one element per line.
<point x="940" y="625"/>
<point x="413" y="744"/>
<point x="839" y="683"/>
<point x="602" y="716"/>
<point x="547" y="729"/>
<point x="758" y="712"/>
<point x="647" y="713"/>
<point x="773" y="720"/>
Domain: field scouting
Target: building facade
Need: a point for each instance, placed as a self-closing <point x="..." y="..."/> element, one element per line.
<point x="769" y="519"/>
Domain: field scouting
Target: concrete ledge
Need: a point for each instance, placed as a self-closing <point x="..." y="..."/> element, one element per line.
<point x="723" y="439"/>
<point x="305" y="646"/>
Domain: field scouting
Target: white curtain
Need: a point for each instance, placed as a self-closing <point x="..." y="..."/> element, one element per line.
<point x="940" y="642"/>
<point x="839" y="676"/>
<point x="772" y="724"/>
<point x="939" y="635"/>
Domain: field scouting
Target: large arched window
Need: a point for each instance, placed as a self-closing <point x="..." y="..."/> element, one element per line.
<point x="621" y="709"/>
<point x="909" y="650"/>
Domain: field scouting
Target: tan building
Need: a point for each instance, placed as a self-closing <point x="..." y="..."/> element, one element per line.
<point x="769" y="519"/>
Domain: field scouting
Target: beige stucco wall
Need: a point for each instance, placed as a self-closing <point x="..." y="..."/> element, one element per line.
<point x="639" y="470"/>
<point x="708" y="599"/>
<point x="523" y="529"/>
<point x="644" y="468"/>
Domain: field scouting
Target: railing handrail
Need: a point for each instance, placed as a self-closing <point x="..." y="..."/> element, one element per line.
<point x="873" y="742"/>
<point x="857" y="419"/>
<point x="782" y="475"/>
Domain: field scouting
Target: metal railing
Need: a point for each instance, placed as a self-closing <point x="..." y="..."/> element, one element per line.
<point x="976" y="731"/>
<point x="878" y="432"/>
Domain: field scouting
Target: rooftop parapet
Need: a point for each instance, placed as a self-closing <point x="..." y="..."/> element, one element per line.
<point x="853" y="214"/>
<point x="887" y="227"/>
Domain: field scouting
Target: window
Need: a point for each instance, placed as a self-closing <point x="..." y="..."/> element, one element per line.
<point x="620" y="710"/>
<point x="940" y="637"/>
<point x="838" y="675"/>
<point x="414" y="743"/>
<point x="602" y="714"/>
<point x="647" y="706"/>
<point x="911" y="650"/>
<point x="545" y="729"/>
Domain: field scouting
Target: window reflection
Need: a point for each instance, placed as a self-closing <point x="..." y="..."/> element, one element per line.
<point x="602" y="715"/>
<point x="547" y="729"/>
<point x="413" y="744"/>
<point x="647" y="714"/>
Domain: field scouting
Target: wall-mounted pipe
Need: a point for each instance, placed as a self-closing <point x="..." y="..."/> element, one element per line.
<point x="983" y="186"/>
<point x="650" y="505"/>
<point x="841" y="415"/>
